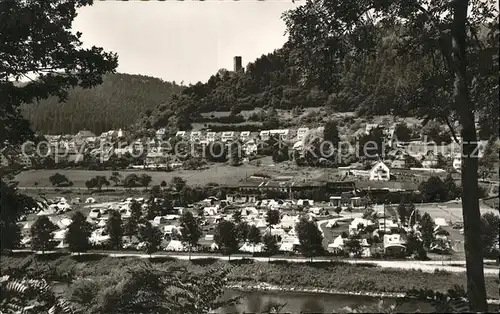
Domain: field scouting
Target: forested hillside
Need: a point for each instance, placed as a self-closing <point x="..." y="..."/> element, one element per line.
<point x="115" y="104"/>
<point x="381" y="81"/>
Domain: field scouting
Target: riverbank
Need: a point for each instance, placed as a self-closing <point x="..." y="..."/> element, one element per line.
<point x="323" y="276"/>
<point x="276" y="288"/>
<point x="491" y="267"/>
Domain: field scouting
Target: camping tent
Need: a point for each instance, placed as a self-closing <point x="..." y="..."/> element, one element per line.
<point x="251" y="248"/>
<point x="60" y="234"/>
<point x="46" y="212"/>
<point x="332" y="223"/>
<point x="90" y="200"/>
<point x="102" y="222"/>
<point x="175" y="245"/>
<point x="286" y="247"/>
<point x="62" y="245"/>
<point x="338" y="244"/>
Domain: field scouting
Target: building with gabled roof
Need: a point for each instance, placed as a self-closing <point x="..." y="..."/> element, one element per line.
<point x="380" y="172"/>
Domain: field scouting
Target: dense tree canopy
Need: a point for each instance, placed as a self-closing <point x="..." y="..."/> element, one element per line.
<point x="39" y="45"/>
<point x="445" y="61"/>
<point x="114" y="104"/>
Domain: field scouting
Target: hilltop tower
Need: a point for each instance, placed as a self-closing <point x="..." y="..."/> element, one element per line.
<point x="237" y="64"/>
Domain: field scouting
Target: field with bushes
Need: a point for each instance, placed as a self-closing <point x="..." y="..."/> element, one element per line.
<point x="335" y="275"/>
<point x="219" y="174"/>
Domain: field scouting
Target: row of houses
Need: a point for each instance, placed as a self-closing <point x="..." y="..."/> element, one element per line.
<point x="207" y="136"/>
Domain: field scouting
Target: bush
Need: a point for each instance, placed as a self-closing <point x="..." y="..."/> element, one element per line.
<point x="204" y="261"/>
<point x="242" y="261"/>
<point x="279" y="262"/>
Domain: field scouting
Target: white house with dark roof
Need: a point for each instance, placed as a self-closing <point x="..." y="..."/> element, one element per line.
<point x="264" y="135"/>
<point x="211" y="136"/>
<point x="195" y="136"/>
<point x="370" y="126"/>
<point x="182" y="134"/>
<point x="227" y="136"/>
<point x="283" y="134"/>
<point x="380" y="172"/>
<point x="245" y="135"/>
<point x="429" y="159"/>
<point x="160" y="133"/>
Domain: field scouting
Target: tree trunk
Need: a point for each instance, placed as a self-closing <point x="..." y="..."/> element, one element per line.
<point x="476" y="291"/>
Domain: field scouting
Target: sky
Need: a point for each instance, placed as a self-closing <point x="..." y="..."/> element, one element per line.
<point x="183" y="40"/>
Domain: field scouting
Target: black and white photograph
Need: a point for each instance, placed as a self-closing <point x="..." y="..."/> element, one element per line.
<point x="251" y="156"/>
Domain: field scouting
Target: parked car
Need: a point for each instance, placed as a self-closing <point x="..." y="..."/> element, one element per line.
<point x="458" y="225"/>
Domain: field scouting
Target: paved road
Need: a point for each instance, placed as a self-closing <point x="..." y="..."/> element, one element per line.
<point x="425" y="266"/>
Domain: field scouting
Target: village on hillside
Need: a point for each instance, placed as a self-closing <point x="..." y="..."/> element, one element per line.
<point x="403" y="202"/>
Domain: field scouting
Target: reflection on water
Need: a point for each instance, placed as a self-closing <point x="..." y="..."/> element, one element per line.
<point x="297" y="302"/>
<point x="258" y="302"/>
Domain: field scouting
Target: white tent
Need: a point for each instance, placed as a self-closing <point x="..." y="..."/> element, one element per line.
<point x="60" y="234"/>
<point x="332" y="223"/>
<point x="26" y="240"/>
<point x="210" y="211"/>
<point x="90" y="200"/>
<point x="63" y="205"/>
<point x="289" y="221"/>
<point x="62" y="223"/>
<point x="62" y="245"/>
<point x="28" y="224"/>
<point x="292" y="233"/>
<point x="214" y="246"/>
<point x="249" y="211"/>
<point x="298" y="145"/>
<point x="171" y="229"/>
<point x="440" y="222"/>
<point x="251" y="248"/>
<point x="338" y="243"/>
<point x="286" y="247"/>
<point x="305" y="202"/>
<point x="172" y="217"/>
<point x="277" y="232"/>
<point x="315" y="210"/>
<point x="102" y="222"/>
<point x="260" y="223"/>
<point x="158" y="220"/>
<point x="46" y="212"/>
<point x="357" y="221"/>
<point x="209" y="237"/>
<point x="291" y="239"/>
<point x="98" y="237"/>
<point x="175" y="245"/>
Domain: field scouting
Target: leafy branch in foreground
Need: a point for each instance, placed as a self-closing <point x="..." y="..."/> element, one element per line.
<point x="30" y="296"/>
<point x="146" y="289"/>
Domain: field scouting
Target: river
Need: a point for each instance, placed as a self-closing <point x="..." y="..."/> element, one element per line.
<point x="297" y="302"/>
